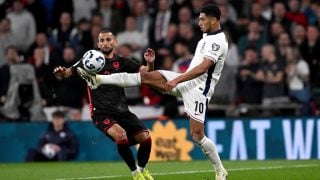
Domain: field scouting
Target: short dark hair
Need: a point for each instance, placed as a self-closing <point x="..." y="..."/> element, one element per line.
<point x="211" y="10"/>
<point x="58" y="114"/>
<point x="105" y="30"/>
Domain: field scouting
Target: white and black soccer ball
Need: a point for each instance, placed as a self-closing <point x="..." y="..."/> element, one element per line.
<point x="93" y="61"/>
<point x="48" y="151"/>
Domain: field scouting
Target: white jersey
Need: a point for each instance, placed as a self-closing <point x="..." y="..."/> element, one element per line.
<point x="197" y="92"/>
<point x="212" y="46"/>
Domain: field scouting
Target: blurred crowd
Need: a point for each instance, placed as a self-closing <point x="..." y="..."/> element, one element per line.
<point x="274" y="50"/>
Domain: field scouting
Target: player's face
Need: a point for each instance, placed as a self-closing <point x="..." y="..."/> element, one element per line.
<point x="106" y="42"/>
<point x="205" y="22"/>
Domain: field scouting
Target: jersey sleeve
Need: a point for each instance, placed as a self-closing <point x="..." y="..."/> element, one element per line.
<point x="212" y="50"/>
<point x="75" y="65"/>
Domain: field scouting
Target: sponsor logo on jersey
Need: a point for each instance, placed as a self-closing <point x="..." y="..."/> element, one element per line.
<point x="215" y="47"/>
<point x="116" y="65"/>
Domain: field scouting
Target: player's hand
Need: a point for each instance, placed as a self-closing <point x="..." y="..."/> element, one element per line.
<point x="149" y="55"/>
<point x="55" y="147"/>
<point x="59" y="72"/>
<point x="170" y="85"/>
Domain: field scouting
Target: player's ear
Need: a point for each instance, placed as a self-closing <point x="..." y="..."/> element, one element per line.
<point x="213" y="20"/>
<point x="98" y="43"/>
<point x="115" y="41"/>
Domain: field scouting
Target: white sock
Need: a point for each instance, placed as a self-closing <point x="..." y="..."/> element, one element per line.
<point x="141" y="169"/>
<point x="120" y="79"/>
<point x="135" y="172"/>
<point x="209" y="149"/>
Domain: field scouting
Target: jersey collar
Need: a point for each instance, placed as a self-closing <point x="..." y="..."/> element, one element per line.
<point x="213" y="33"/>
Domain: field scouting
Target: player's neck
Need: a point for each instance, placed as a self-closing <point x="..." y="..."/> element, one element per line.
<point x="214" y="29"/>
<point x="109" y="56"/>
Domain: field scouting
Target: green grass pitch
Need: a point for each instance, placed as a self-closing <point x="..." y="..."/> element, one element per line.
<point x="193" y="170"/>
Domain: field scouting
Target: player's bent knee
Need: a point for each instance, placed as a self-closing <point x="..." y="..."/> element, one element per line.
<point x="118" y="134"/>
<point x="142" y="137"/>
<point x="197" y="135"/>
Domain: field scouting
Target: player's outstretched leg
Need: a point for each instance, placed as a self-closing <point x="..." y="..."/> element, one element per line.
<point x="118" y="79"/>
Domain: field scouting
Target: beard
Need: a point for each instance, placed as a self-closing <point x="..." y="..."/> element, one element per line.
<point x="107" y="52"/>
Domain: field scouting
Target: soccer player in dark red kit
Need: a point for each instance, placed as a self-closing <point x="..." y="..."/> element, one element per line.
<point x="109" y="109"/>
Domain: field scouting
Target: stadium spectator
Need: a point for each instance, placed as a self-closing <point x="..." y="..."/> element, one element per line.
<point x="133" y="37"/>
<point x="310" y="52"/>
<point x="95" y="30"/>
<point x="112" y="18"/>
<point x="250" y="85"/>
<point x="81" y="41"/>
<point x="275" y="30"/>
<point x="226" y="23"/>
<point x="58" y="8"/>
<point x="82" y="9"/>
<point x="57" y="143"/>
<point x="233" y="52"/>
<point x="185" y="16"/>
<point x="273" y="77"/>
<point x="19" y="92"/>
<point x="44" y="75"/>
<point x="23" y="26"/>
<point x="122" y="6"/>
<point x="294" y="14"/>
<point x="297" y="73"/>
<point x="97" y="19"/>
<point x="254" y="38"/>
<point x="279" y="15"/>
<point x="162" y="20"/>
<point x="69" y="92"/>
<point x="62" y="35"/>
<point x="184" y="57"/>
<point x="187" y="34"/>
<point x="298" y="35"/>
<point x="37" y="10"/>
<point x="196" y="7"/>
<point x="229" y="8"/>
<point x="266" y="8"/>
<point x="109" y="108"/>
<point x="283" y="42"/>
<point x="143" y="19"/>
<point x="225" y="90"/>
<point x="256" y="15"/>
<point x="165" y="47"/>
<point x="51" y="56"/>
<point x="315" y="6"/>
<point x="307" y="10"/>
<point x="6" y="39"/>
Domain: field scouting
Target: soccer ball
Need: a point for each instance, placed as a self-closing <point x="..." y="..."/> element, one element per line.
<point x="48" y="151"/>
<point x="93" y="61"/>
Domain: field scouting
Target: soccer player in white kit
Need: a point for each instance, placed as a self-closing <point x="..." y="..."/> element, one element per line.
<point x="195" y="86"/>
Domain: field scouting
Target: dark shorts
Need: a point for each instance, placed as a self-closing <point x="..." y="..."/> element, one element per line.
<point x="129" y="122"/>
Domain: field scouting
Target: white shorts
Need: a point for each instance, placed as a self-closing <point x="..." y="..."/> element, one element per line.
<point x="195" y="103"/>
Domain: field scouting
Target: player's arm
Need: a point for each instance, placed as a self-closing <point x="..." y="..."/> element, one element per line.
<point x="193" y="73"/>
<point x="149" y="56"/>
<point x="61" y="72"/>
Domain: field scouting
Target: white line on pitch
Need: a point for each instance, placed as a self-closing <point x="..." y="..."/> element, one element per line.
<point x="200" y="171"/>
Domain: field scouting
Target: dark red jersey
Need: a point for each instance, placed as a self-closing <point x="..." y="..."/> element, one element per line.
<point x="110" y="99"/>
